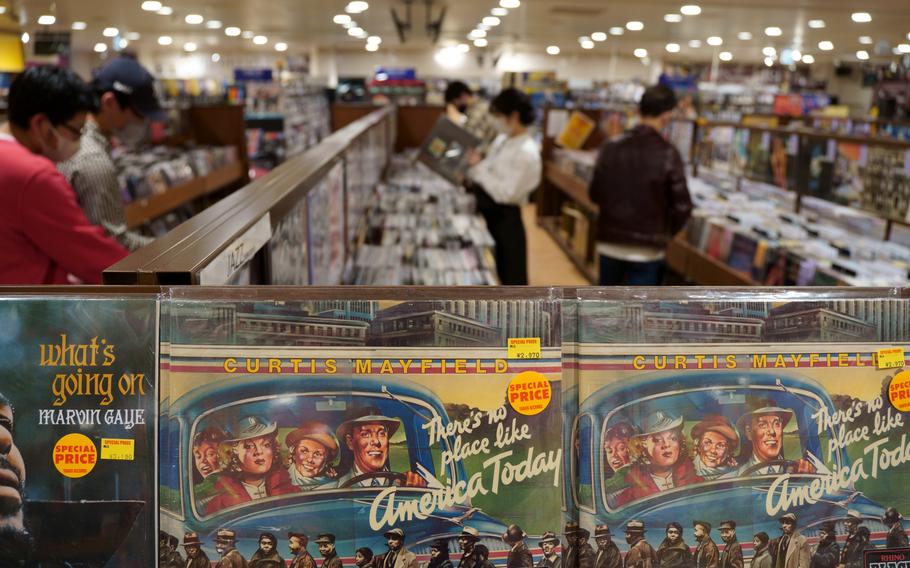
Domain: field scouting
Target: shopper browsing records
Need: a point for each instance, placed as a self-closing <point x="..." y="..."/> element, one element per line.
<point x="124" y="102"/>
<point x="640" y="187"/>
<point x="504" y="180"/>
<point x="471" y="112"/>
<point x="44" y="235"/>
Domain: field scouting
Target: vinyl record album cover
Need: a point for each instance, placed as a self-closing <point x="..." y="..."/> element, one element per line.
<point x="445" y="150"/>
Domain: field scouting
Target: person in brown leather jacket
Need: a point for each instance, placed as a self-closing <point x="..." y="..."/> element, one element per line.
<point x="639" y="185"/>
<point x="706" y="555"/>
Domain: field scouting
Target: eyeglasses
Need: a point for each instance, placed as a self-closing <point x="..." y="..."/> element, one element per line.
<point x="77" y="132"/>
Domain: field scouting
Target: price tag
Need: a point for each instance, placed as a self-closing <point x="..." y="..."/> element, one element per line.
<point x="524" y="348"/>
<point x="114" y="449"/>
<point x="892" y="358"/>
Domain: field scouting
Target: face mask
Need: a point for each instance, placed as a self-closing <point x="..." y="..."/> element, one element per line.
<point x="131" y="134"/>
<point x="502" y="126"/>
<point x="462" y="108"/>
<point x="65" y="149"/>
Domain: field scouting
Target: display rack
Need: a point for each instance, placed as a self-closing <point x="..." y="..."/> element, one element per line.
<point x="413" y="123"/>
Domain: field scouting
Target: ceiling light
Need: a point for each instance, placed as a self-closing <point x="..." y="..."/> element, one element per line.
<point x="673" y="47"/>
<point x="151" y="5"/>
<point x="690" y="10"/>
<point x="635" y="26"/>
<point x="349" y="25"/>
<point x="583" y="39"/>
<point x="189" y="46"/>
<point x="510" y="4"/>
<point x="617" y="31"/>
<point x="2" y="9"/>
<point x="260" y="40"/>
<point x="725" y="56"/>
<point x="672" y="18"/>
<point x="477" y="34"/>
<point x="695" y="43"/>
<point x="866" y="40"/>
<point x="100" y="47"/>
<point x="281" y="46"/>
<point x="356" y="7"/>
<point x="808" y="59"/>
<point x="133" y="36"/>
<point x="773" y="31"/>
<point x="355" y="31"/>
<point x="165" y="40"/>
<point x="26" y="37"/>
<point x="796" y="55"/>
<point x="232" y="31"/>
<point x="553" y="50"/>
<point x="481" y="42"/>
<point x="484" y="27"/>
<point x="816" y="24"/>
<point x="769" y="51"/>
<point x="110" y="32"/>
<point x="341" y="19"/>
<point x="76" y="25"/>
<point x="640" y="53"/>
<point x="216" y="57"/>
<point x="449" y="57"/>
<point x="769" y="62"/>
<point x="599" y="36"/>
<point x="499" y="12"/>
<point x="862" y="55"/>
<point x="372" y="47"/>
<point x="491" y="21"/>
<point x="463" y="47"/>
<point x="213" y="24"/>
<point x="861" y="17"/>
<point x="904" y="48"/>
<point x="166" y="11"/>
<point x="374" y="39"/>
<point x="194" y="19"/>
<point x="587" y="44"/>
<point x="715" y="41"/>
<point x="825" y="45"/>
<point x="247" y="34"/>
<point x="47" y="20"/>
<point x="744" y="36"/>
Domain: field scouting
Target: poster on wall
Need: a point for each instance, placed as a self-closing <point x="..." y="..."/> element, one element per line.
<point x="78" y="424"/>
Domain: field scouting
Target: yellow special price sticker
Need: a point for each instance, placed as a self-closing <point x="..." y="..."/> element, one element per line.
<point x="899" y="391"/>
<point x="529" y="393"/>
<point x="891" y="358"/>
<point x="114" y="449"/>
<point x="524" y="348"/>
<point x="75" y="455"/>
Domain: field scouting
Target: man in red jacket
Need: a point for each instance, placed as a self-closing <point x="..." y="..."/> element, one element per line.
<point x="45" y="237"/>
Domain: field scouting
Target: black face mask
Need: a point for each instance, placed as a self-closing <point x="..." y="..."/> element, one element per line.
<point x="462" y="108"/>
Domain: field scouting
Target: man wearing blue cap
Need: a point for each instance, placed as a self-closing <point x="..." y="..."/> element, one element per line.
<point x="124" y="101"/>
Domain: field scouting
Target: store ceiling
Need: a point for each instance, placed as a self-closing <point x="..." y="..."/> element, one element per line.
<point x="535" y="25"/>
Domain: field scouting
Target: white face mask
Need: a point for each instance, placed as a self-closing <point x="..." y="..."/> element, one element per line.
<point x="503" y="126"/>
<point x="65" y="149"/>
<point x="131" y="134"/>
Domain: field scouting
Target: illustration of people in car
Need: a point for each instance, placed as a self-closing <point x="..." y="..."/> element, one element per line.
<point x="366" y="434"/>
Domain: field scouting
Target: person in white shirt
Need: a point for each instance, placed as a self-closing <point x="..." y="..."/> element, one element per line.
<point x="505" y="179"/>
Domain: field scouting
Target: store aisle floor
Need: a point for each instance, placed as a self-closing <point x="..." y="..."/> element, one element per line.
<point x="547" y="264"/>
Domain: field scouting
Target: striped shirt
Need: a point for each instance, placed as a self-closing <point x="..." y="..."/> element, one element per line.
<point x="93" y="175"/>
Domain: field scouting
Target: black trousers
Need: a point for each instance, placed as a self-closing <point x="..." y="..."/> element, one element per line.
<point x="508" y="230"/>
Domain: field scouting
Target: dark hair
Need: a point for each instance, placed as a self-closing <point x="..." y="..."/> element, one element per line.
<point x="56" y="93"/>
<point x="762" y="537"/>
<point x="512" y="100"/>
<point x="482" y="551"/>
<point x="268" y="536"/>
<point x="123" y="99"/>
<point x="657" y="100"/>
<point x="455" y="90"/>
<point x="366" y="552"/>
<point x="677" y="526"/>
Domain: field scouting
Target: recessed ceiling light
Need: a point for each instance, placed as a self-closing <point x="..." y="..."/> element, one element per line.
<point x="247" y="34"/>
<point x="110" y="32"/>
<point x="374" y="39"/>
<point x="78" y="26"/>
<point x="194" y="19"/>
<point x="862" y="55"/>
<point x="100" y="47"/>
<point x="356" y="7"/>
<point x="773" y="31"/>
<point x="903" y="48"/>
<point x="232" y="31"/>
<point x="695" y="43"/>
<point x="477" y="34"/>
<point x="583" y="39"/>
<point x="2" y="9"/>
<point x="769" y="51"/>
<point x="640" y="53"/>
<point x="372" y="47"/>
<point x="190" y="46"/>
<point x="481" y="42"/>
<point x="281" y="46"/>
<point x="816" y="24"/>
<point x="690" y="10"/>
<point x="599" y="36"/>
<point x="672" y="18"/>
<point x="25" y="37"/>
<point x="796" y="55"/>
<point x="808" y="59"/>
<point x="483" y="26"/>
<point x="635" y="26"/>
<point x="673" y="47"/>
<point x="260" y="40"/>
<point x="499" y="12"/>
<point x="166" y="11"/>
<point x="553" y="50"/>
<point x="725" y="56"/>
<point x="509" y="4"/>
<point x="587" y="44"/>
<point x="47" y="20"/>
<point x="133" y="36"/>
<point x="463" y="47"/>
<point x="744" y="36"/>
<point x="216" y="57"/>
<point x="355" y="31"/>
<point x="151" y="5"/>
<point x="165" y="40"/>
<point x="213" y="24"/>
<point x="825" y="45"/>
<point x="866" y="40"/>
<point x="769" y="62"/>
<point x="341" y="19"/>
<point x="617" y="31"/>
<point x="861" y="17"/>
<point x="491" y="21"/>
<point x="715" y="41"/>
<point x="349" y="25"/>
